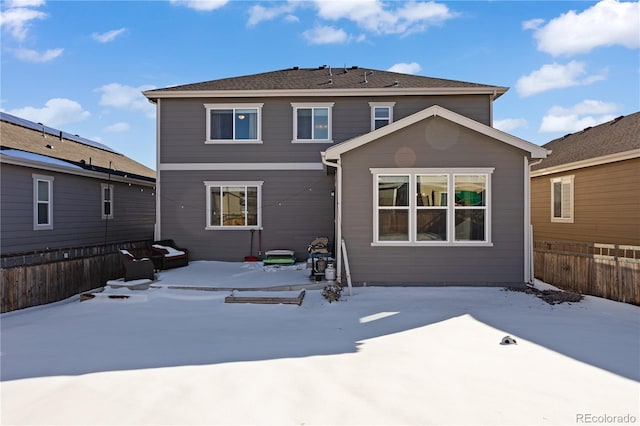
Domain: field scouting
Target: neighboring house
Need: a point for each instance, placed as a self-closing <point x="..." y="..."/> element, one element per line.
<point x="406" y="169"/>
<point x="587" y="190"/>
<point x="60" y="191"/>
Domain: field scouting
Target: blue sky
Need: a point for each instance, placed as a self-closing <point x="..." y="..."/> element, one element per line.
<point x="80" y="66"/>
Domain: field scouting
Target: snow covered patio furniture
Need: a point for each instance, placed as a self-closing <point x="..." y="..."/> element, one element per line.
<point x="136" y="269"/>
<point x="172" y="256"/>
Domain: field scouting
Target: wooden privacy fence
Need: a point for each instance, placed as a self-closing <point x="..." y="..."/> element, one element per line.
<point x="611" y="271"/>
<point x="32" y="279"/>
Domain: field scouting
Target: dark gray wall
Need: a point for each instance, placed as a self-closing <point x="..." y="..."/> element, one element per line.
<point x="77" y="218"/>
<point x="297" y="206"/>
<point x="183" y="122"/>
<point x="436" y="143"/>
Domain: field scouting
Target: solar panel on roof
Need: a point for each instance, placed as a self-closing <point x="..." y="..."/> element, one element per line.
<point x="51" y="131"/>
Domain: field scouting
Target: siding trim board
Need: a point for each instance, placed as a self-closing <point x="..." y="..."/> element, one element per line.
<point x="494" y="92"/>
<point x="597" y="161"/>
<point x="535" y="151"/>
<point x="240" y="166"/>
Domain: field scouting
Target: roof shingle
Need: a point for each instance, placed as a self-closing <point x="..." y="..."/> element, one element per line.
<point x="28" y="140"/>
<point x="323" y="78"/>
<point x="616" y="136"/>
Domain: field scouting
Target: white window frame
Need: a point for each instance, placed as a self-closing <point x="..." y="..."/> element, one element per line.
<point x="104" y="200"/>
<point x="212" y="107"/>
<point x="36" y="202"/>
<point x="451" y="207"/>
<point x="566" y="211"/>
<point x="312" y="106"/>
<point x="374" y="105"/>
<point x="210" y="184"/>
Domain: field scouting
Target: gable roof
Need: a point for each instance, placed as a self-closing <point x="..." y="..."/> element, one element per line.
<point x="611" y="141"/>
<point x="325" y="81"/>
<point x="334" y="152"/>
<point x="51" y="148"/>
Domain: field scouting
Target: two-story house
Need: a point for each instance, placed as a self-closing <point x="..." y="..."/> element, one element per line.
<point x="406" y="169"/>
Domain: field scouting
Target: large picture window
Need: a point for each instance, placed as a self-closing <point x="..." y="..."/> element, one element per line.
<point x="432" y="206"/>
<point x="239" y="123"/>
<point x="42" y="202"/>
<point x="312" y="122"/>
<point x="233" y="205"/>
<point x="562" y="199"/>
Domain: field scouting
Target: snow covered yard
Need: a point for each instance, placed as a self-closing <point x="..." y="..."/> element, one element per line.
<point x="382" y="356"/>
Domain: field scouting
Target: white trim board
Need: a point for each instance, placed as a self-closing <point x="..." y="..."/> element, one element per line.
<point x="536" y="151"/>
<point x="597" y="161"/>
<point x="240" y="166"/>
<point x="390" y="91"/>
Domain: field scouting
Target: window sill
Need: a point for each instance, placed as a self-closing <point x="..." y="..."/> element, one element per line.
<point x="231" y="228"/>
<point x="232" y="142"/>
<point x="432" y="244"/>
<point x="312" y="141"/>
<point x="559" y="220"/>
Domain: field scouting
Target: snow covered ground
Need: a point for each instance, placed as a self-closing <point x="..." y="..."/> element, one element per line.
<point x="381" y="356"/>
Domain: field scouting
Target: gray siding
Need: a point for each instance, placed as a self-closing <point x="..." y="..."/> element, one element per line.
<point x="77" y="218"/>
<point x="297" y="207"/>
<point x="436" y="143"/>
<point x="183" y="122"/>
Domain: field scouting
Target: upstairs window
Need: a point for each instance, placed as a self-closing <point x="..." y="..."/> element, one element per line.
<point x="238" y="123"/>
<point x="381" y="114"/>
<point x="432" y="206"/>
<point x="312" y="122"/>
<point x="233" y="205"/>
<point x="42" y="202"/>
<point x="562" y="199"/>
<point x="107" y="201"/>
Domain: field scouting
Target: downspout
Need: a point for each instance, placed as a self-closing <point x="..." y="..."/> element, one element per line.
<point x="338" y="214"/>
<point x="528" y="227"/>
<point x="156" y="234"/>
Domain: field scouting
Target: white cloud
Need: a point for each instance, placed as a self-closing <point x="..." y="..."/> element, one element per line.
<point x="16" y="21"/>
<point x="607" y="23"/>
<point x="117" y="127"/>
<point x="259" y="13"/>
<point x="24" y="3"/>
<point x="30" y="55"/>
<point x="532" y="24"/>
<point x="406" y="68"/>
<point x="108" y="36"/>
<point x="575" y="118"/>
<point x="202" y="5"/>
<point x="378" y="17"/>
<point x="119" y="96"/>
<point x="555" y="76"/>
<point x="510" y="124"/>
<point x="56" y="111"/>
<point x="326" y="35"/>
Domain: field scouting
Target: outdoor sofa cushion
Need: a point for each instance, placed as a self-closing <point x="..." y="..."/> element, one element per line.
<point x="172" y="256"/>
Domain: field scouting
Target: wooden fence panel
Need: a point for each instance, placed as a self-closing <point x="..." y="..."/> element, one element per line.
<point x="23" y="286"/>
<point x="582" y="268"/>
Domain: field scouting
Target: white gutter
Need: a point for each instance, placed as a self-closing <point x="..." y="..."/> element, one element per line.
<point x="528" y="227"/>
<point x="338" y="214"/>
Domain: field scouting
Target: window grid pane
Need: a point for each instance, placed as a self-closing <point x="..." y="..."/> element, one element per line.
<point x="233" y="206"/>
<point x="304" y="123"/>
<point x="321" y="123"/>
